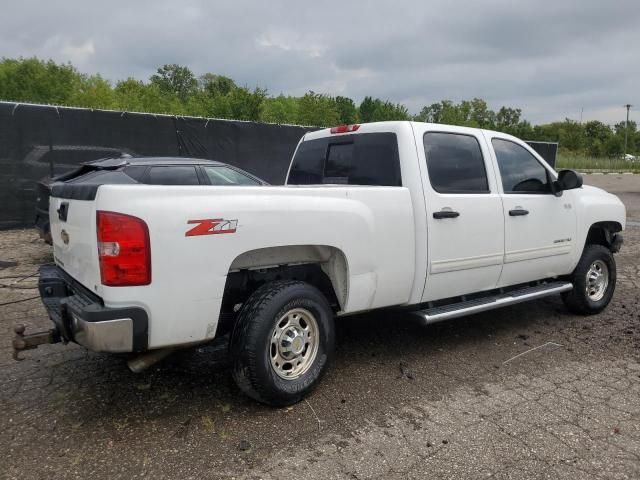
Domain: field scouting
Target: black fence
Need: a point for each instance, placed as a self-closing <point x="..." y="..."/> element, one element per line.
<point x="547" y="150"/>
<point x="37" y="141"/>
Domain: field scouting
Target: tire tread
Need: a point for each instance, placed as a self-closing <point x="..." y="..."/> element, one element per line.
<point x="245" y="360"/>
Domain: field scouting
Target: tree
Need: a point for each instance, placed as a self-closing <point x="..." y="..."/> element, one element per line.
<point x="175" y="90"/>
<point x="430" y="114"/>
<point x="386" y="111"/>
<point x="597" y="135"/>
<point x="507" y="119"/>
<point x="631" y="129"/>
<point x="347" y="111"/>
<point x="34" y="80"/>
<point x="215" y="85"/>
<point x="280" y="109"/>
<point x="244" y="104"/>
<point x="572" y="135"/>
<point x="367" y="108"/>
<point x="481" y="116"/>
<point x="318" y="110"/>
<point x="175" y="80"/>
<point x="94" y="92"/>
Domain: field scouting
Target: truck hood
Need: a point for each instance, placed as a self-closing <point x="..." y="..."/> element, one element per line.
<point x="591" y="190"/>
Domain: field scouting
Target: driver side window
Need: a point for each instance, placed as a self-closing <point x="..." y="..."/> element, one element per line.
<point x="520" y="171"/>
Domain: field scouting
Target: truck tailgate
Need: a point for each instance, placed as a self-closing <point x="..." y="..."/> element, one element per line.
<point x="73" y="231"/>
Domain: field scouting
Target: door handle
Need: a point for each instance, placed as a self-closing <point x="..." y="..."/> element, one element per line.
<point x="518" y="212"/>
<point x="445" y="214"/>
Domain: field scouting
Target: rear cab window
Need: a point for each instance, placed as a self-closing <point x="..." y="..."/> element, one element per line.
<point x="359" y="159"/>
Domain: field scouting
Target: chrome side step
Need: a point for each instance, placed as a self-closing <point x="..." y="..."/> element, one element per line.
<point x="468" y="307"/>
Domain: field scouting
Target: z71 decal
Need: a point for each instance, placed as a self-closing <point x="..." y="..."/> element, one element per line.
<point x="211" y="226"/>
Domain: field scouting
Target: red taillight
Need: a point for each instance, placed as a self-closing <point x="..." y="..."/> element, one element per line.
<point x="123" y="249"/>
<point x="345" y="128"/>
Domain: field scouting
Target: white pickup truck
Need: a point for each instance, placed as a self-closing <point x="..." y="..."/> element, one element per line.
<point x="441" y="220"/>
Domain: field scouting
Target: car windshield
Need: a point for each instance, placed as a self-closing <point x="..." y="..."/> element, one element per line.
<point x="228" y="176"/>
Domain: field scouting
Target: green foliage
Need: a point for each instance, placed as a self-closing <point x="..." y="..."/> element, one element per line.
<point x="367" y="109"/>
<point x="587" y="163"/>
<point x="389" y="111"/>
<point x="280" y="109"/>
<point x="33" y="80"/>
<point x="175" y="80"/>
<point x="174" y="89"/>
<point x="214" y="84"/>
<point x="375" y="110"/>
<point x="93" y="92"/>
<point x="347" y="111"/>
<point x="317" y="109"/>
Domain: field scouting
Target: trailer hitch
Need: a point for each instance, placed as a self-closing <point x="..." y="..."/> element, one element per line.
<point x="30" y="341"/>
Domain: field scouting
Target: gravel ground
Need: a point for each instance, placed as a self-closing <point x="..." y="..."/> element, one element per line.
<point x="452" y="400"/>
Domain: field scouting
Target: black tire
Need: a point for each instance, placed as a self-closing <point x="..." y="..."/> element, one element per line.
<point x="251" y="342"/>
<point x="577" y="300"/>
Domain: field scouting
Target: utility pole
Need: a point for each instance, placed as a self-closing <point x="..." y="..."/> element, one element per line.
<point x="626" y="130"/>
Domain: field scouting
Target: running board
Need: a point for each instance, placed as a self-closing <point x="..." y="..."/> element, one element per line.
<point x="468" y="307"/>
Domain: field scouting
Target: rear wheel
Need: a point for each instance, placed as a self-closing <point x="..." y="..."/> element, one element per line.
<point x="594" y="281"/>
<point x="282" y="342"/>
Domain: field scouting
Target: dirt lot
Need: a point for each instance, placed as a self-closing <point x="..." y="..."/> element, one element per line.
<point x="401" y="401"/>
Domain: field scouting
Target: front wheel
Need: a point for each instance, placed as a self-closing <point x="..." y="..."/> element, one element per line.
<point x="282" y="342"/>
<point x="594" y="281"/>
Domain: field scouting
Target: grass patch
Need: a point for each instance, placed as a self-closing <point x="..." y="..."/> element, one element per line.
<point x="578" y="162"/>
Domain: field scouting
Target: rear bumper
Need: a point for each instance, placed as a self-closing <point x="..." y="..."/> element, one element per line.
<point x="80" y="316"/>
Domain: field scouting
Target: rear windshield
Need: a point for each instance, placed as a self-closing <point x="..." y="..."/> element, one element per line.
<point x="362" y="159"/>
<point x="228" y="176"/>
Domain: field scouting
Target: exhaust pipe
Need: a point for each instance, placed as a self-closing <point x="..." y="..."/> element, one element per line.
<point x="148" y="359"/>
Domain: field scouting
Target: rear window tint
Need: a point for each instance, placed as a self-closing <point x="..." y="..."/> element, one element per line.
<point x="172" y="175"/>
<point x="363" y="159"/>
<point x="135" y="171"/>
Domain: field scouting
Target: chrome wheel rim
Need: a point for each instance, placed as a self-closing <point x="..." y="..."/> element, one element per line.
<point x="294" y="343"/>
<point x="597" y="280"/>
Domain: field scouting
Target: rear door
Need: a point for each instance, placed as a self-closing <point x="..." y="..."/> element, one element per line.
<point x="465" y="224"/>
<point x="540" y="228"/>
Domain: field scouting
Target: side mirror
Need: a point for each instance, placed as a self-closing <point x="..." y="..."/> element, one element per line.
<point x="568" y="180"/>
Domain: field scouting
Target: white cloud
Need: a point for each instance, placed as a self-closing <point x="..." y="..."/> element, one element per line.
<point x="79" y="53"/>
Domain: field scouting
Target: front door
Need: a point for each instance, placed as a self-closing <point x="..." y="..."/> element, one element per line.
<point x="465" y="224"/>
<point x="540" y="227"/>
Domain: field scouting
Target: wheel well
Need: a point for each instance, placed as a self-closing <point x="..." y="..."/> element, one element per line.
<point x="601" y="233"/>
<point x="322" y="266"/>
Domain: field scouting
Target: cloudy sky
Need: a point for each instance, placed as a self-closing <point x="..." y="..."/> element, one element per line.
<point x="550" y="58"/>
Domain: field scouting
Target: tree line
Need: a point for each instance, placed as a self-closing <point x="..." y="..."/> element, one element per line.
<point x="175" y="89"/>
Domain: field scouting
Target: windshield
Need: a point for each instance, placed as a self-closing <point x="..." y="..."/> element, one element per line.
<point x="228" y="176"/>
